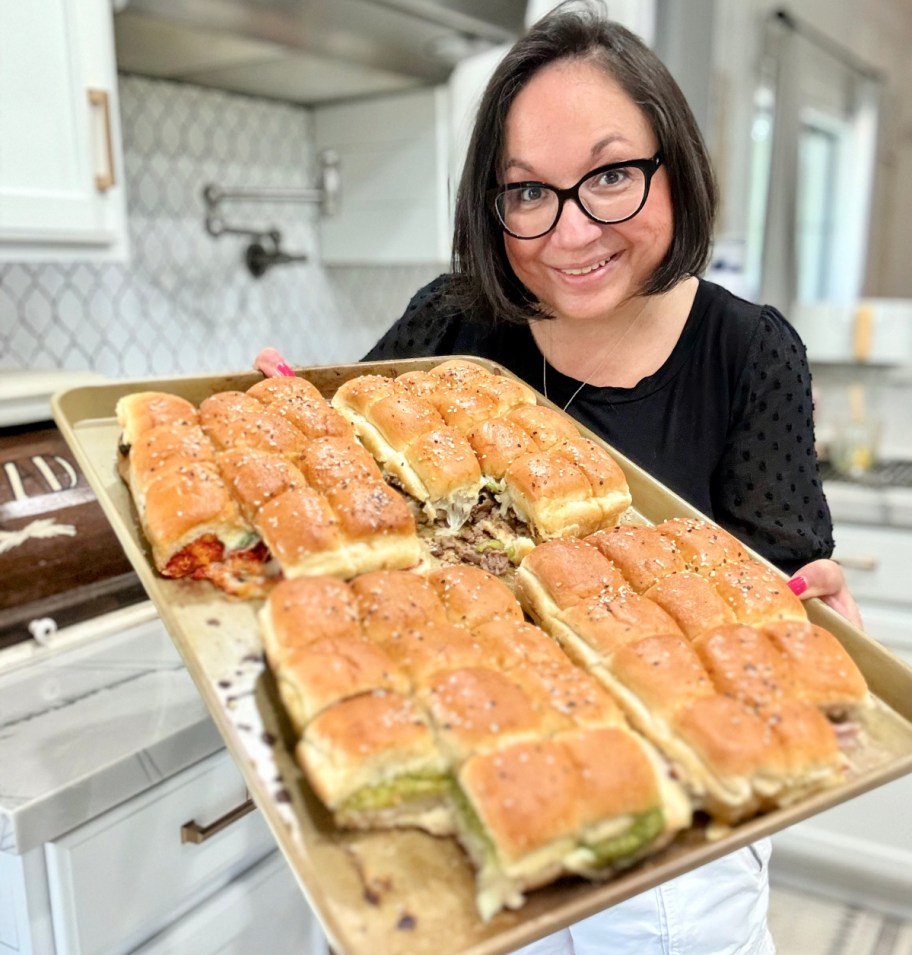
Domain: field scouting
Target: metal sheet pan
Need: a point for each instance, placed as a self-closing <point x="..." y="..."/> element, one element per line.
<point x="409" y="893"/>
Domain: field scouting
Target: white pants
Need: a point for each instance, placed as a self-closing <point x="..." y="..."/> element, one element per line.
<point x="718" y="909"/>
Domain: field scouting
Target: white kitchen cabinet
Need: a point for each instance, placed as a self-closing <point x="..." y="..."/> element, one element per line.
<point x="61" y="170"/>
<point x="394" y="154"/>
<point x="125" y="881"/>
<point x="860" y="852"/>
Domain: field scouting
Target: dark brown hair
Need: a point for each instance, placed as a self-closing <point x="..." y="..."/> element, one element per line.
<point x="579" y="31"/>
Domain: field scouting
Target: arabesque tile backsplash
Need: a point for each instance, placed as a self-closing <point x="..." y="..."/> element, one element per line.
<point x="185" y="302"/>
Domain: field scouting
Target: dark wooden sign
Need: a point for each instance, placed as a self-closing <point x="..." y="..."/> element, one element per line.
<point x="59" y="557"/>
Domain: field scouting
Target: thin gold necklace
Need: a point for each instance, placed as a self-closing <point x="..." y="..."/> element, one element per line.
<point x="598" y="367"/>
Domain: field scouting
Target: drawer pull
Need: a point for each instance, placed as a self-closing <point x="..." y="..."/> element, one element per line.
<point x="193" y="832"/>
<point x="104" y="180"/>
<point x="858" y="563"/>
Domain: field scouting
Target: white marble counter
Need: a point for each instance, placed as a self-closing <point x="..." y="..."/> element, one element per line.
<point x="85" y="728"/>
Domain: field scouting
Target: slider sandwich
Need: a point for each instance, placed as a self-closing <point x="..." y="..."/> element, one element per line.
<point x="821" y="669"/>
<point x="704" y="546"/>
<point x="757" y="594"/>
<point x="585" y="801"/>
<point x="724" y="753"/>
<point x="142" y="410"/>
<point x="641" y="554"/>
<point x="692" y="602"/>
<point x="186" y="513"/>
<point x="477" y="709"/>
<point x="571" y="490"/>
<point x="256" y="429"/>
<point x="316" y="650"/>
<point x="373" y="760"/>
<point x="414" y="446"/>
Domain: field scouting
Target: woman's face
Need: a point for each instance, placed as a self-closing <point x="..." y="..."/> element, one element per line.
<point x="570" y="118"/>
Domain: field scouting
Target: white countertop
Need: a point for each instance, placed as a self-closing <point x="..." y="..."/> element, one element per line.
<point x="86" y="728"/>
<point x="863" y="504"/>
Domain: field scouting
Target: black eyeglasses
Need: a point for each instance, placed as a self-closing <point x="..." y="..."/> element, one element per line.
<point x="609" y="194"/>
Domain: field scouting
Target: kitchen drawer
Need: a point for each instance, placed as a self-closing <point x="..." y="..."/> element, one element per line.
<point x="263" y="910"/>
<point x="876" y="561"/>
<point x="126" y="875"/>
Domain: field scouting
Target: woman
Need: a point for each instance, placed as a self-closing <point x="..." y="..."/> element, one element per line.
<point x="583" y="217"/>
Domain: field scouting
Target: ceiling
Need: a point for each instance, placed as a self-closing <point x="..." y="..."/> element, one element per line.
<point x="309" y="51"/>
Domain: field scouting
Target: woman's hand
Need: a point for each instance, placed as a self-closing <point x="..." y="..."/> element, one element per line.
<point x="272" y="364"/>
<point x="825" y="579"/>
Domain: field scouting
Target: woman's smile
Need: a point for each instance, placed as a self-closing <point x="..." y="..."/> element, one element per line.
<point x="570" y="118"/>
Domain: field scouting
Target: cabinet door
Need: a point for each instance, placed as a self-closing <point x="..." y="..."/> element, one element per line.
<point x="394" y="156"/>
<point x="61" y="179"/>
<point x="119" y="879"/>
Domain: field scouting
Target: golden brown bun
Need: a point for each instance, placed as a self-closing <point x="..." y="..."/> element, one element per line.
<point x="527" y="797"/>
<point x="567" y="691"/>
<point x="303" y="534"/>
<point x="607" y="480"/>
<point x="284" y="387"/>
<point x="572" y="490"/>
<point x="225" y="404"/>
<point x="422" y="652"/>
<point x="704" y="546"/>
<point x="607" y="622"/>
<point x="745" y="758"/>
<point x="334" y="462"/>
<point x="305" y="610"/>
<point x="162" y="448"/>
<point x="561" y="573"/>
<point x="323" y="672"/>
<point x="641" y="554"/>
<point x="663" y="673"/>
<point x="457" y="372"/>
<point x="400" y="418"/>
<point x="184" y="506"/>
<point x="313" y="417"/>
<point x="809" y="744"/>
<point x="545" y="426"/>
<point x="391" y="602"/>
<point x="420" y="383"/>
<point x="478" y="709"/>
<point x="142" y="410"/>
<point x="367" y="510"/>
<point x="508" y="643"/>
<point x="255" y="429"/>
<point x="757" y="594"/>
<point x="358" y="394"/>
<point x="465" y="407"/>
<point x="471" y="596"/>
<point x="620" y="777"/>
<point x="743" y="663"/>
<point x="255" y="477"/>
<point x="497" y="443"/>
<point x="822" y="671"/>
<point x="446" y="467"/>
<point x="552" y="496"/>
<point x="508" y="393"/>
<point x="368" y="740"/>
<point x="692" y="601"/>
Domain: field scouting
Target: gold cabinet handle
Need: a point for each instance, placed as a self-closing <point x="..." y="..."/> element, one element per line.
<point x="104" y="180"/>
<point x="193" y="832"/>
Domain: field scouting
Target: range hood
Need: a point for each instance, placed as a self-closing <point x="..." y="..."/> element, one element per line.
<point x="309" y="51"/>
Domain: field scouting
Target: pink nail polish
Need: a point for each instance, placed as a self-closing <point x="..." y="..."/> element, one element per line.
<point x="284" y="369"/>
<point x="798" y="585"/>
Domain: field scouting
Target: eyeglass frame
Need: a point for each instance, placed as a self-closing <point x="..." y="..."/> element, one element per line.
<point x="648" y="167"/>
